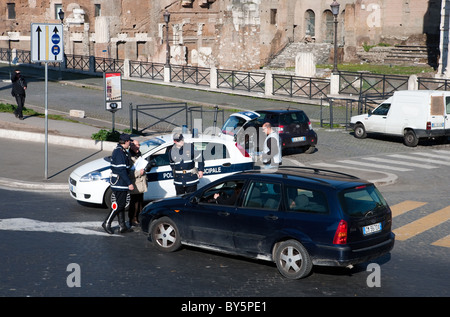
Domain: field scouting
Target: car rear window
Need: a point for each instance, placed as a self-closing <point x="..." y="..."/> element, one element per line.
<point x="358" y="201"/>
<point x="293" y="117"/>
<point x="283" y="118"/>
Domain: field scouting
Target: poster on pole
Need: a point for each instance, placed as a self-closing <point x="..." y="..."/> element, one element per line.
<point x="113" y="91"/>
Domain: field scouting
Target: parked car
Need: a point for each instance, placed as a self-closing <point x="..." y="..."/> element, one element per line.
<point x="293" y="126"/>
<point x="90" y="182"/>
<point x="295" y="217"/>
<point x="411" y="114"/>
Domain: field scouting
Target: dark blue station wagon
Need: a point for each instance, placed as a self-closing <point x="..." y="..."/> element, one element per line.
<point x="295" y="217"/>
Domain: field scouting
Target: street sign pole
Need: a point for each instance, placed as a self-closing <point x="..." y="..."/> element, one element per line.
<point x="47" y="45"/>
<point x="46" y="120"/>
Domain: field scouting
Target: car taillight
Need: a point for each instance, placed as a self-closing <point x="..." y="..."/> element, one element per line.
<point x="428" y="125"/>
<point x="242" y="150"/>
<point x="340" y="237"/>
<point x="309" y="125"/>
<point x="280" y="128"/>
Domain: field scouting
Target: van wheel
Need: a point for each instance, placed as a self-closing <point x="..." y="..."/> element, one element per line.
<point x="410" y="138"/>
<point x="360" y="131"/>
<point x="292" y="259"/>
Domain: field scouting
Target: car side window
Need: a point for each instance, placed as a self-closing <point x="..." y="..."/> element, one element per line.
<point x="305" y="200"/>
<point x="226" y="193"/>
<point x="382" y="109"/>
<point x="160" y="158"/>
<point x="263" y="195"/>
<point x="213" y="151"/>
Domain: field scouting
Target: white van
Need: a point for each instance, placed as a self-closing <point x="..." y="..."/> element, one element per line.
<point x="412" y="114"/>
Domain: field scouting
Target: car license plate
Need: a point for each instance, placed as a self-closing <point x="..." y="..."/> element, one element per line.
<point x="372" y="228"/>
<point x="298" y="139"/>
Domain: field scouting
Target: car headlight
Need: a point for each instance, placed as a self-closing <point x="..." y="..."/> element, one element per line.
<point x="90" y="177"/>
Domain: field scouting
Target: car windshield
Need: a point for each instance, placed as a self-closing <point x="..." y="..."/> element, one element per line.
<point x="362" y="200"/>
<point x="150" y="144"/>
<point x="231" y="125"/>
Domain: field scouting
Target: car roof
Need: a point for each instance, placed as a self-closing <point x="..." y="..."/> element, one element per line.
<point x="188" y="138"/>
<point x="312" y="176"/>
<point x="279" y="111"/>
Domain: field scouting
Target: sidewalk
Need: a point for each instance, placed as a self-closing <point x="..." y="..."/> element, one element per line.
<point x="23" y="155"/>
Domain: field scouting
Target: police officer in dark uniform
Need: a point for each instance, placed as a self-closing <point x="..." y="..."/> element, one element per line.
<point x="182" y="160"/>
<point x="121" y="185"/>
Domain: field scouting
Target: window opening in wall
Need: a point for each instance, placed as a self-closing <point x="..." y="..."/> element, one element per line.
<point x="98" y="10"/>
<point x="273" y="16"/>
<point x="310" y="29"/>
<point x="11" y="10"/>
<point x="58" y="7"/>
<point x="329" y="27"/>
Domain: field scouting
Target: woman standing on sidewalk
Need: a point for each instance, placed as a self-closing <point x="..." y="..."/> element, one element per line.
<point x="19" y="85"/>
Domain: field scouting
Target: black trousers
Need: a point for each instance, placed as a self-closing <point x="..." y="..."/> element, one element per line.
<point x="20" y="99"/>
<point x="180" y="189"/>
<point x="120" y="202"/>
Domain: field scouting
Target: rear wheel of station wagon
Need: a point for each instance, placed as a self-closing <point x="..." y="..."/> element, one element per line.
<point x="292" y="259"/>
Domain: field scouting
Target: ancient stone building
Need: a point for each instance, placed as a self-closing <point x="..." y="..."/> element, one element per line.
<point x="231" y="34"/>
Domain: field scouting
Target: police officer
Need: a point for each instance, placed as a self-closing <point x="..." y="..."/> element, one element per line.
<point x="182" y="160"/>
<point x="120" y="185"/>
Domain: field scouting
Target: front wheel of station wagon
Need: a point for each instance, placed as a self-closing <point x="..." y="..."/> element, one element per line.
<point x="292" y="259"/>
<point x="165" y="235"/>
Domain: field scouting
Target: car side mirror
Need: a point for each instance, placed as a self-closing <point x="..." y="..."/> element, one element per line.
<point x="370" y="112"/>
<point x="195" y="200"/>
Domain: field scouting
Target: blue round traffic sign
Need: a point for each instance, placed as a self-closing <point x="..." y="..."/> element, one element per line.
<point x="55" y="50"/>
<point x="56" y="38"/>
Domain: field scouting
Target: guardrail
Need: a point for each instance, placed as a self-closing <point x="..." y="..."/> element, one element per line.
<point x="366" y="83"/>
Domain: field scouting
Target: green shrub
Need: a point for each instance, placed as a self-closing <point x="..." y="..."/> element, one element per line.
<point x="106" y="135"/>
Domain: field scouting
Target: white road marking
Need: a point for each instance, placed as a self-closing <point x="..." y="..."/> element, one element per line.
<point x="25" y="224"/>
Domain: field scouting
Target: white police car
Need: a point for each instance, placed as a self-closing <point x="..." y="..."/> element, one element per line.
<point x="223" y="156"/>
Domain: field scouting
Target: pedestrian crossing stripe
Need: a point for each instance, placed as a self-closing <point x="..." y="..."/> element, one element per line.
<point x="442" y="157"/>
<point x="367" y="164"/>
<point x="428" y="160"/>
<point x="405" y="206"/>
<point x="421" y="225"/>
<point x="444" y="242"/>
<point x="409" y="164"/>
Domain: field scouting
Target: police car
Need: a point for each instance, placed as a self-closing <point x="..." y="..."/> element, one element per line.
<point x="223" y="156"/>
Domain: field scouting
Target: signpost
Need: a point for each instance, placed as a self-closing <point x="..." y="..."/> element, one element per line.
<point x="113" y="93"/>
<point x="47" y="45"/>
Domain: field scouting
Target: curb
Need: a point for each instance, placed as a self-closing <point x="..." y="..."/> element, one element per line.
<point x="58" y="140"/>
<point x="33" y="186"/>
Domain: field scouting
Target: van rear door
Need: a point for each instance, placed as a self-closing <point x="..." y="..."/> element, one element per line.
<point x="437" y="112"/>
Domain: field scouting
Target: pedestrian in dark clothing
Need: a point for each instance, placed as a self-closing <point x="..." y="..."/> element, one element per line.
<point x="120" y="185"/>
<point x="19" y="85"/>
<point x="182" y="160"/>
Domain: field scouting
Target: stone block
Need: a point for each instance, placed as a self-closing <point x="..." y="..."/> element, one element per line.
<point x="77" y="113"/>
